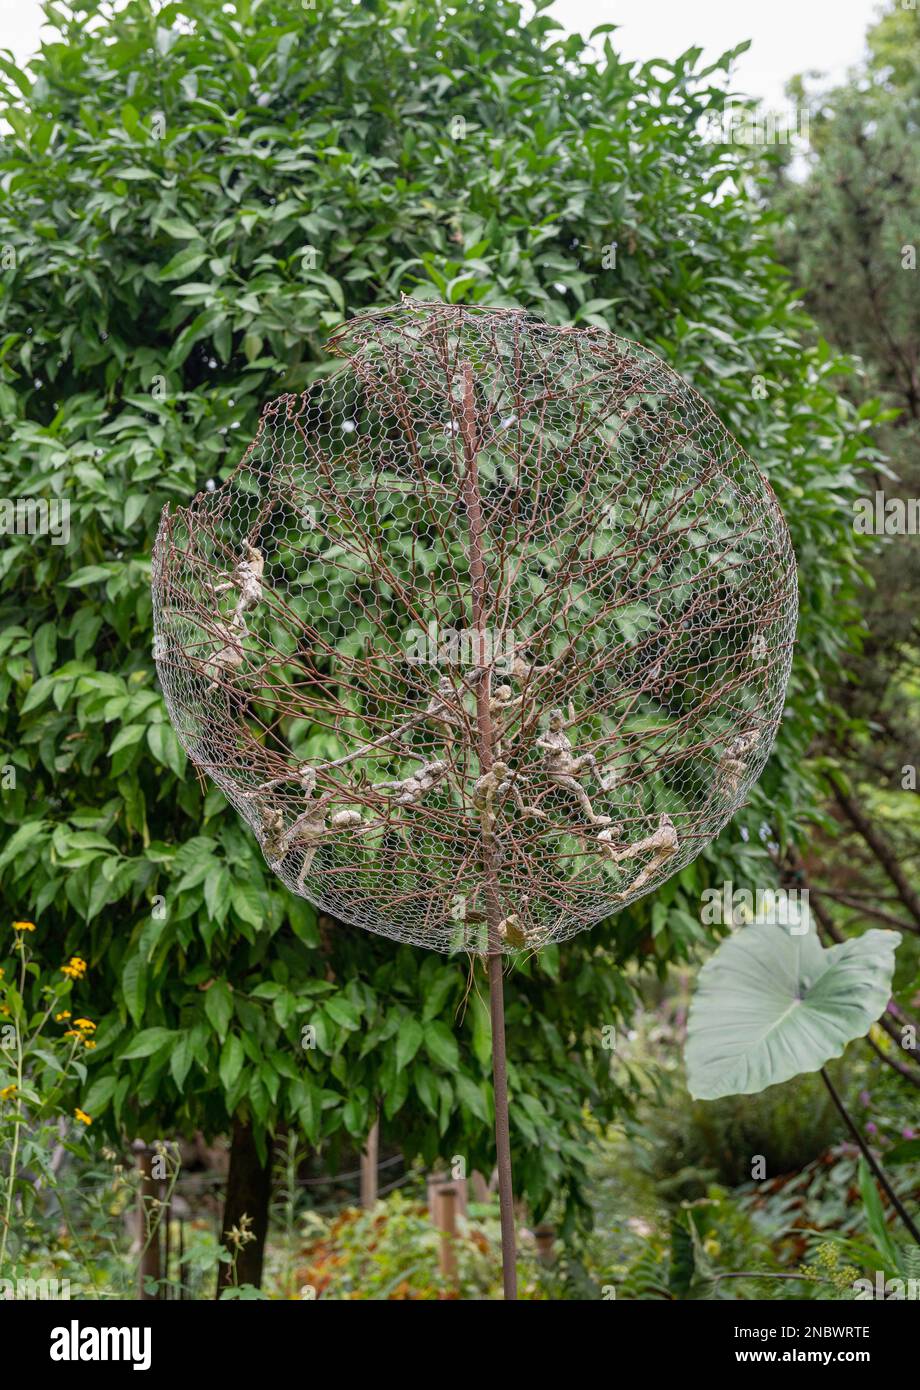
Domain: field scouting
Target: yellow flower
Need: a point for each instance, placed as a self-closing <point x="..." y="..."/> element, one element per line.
<point x="59" y="1018"/>
<point x="88" y="1042"/>
<point x="83" y="1117"/>
<point x="7" y="1091"/>
<point x="23" y="926"/>
<point x="86" y="1025"/>
<point x="75" y="968"/>
<point x="72" y="1033"/>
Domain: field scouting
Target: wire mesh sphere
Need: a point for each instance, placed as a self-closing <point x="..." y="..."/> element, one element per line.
<point x="488" y="633"/>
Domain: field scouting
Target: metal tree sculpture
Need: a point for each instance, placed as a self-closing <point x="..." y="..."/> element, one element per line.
<point x="485" y="637"/>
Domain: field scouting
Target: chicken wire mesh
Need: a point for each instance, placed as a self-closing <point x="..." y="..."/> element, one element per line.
<point x="488" y="633"/>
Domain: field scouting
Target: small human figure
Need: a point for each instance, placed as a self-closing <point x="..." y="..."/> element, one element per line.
<point x="563" y="767"/>
<point x="732" y="763"/>
<point x="492" y="785"/>
<point x="229" y="656"/>
<point x="495" y="785"/>
<point x="271" y="825"/>
<point x="246" y="579"/>
<point x="662" y="844"/>
<point x="504" y="707"/>
<point x="511" y="931"/>
<point x="443" y="706"/>
<point x="308" y="829"/>
<point x="305" y="774"/>
<point x="607" y="840"/>
<point x="406" y="791"/>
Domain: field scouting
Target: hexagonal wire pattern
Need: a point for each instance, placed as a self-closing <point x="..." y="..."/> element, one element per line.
<point x="488" y="633"/>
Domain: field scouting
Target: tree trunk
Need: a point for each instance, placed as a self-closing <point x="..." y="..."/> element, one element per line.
<point x="249" y="1184"/>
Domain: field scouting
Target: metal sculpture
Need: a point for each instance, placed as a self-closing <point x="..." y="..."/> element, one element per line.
<point x="486" y="636"/>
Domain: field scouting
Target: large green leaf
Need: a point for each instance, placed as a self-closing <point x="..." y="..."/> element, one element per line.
<point x="770" y="1005"/>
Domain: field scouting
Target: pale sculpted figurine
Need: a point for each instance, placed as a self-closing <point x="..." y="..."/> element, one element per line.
<point x="524" y="668"/>
<point x="732" y="764"/>
<point x="564" y="768"/>
<point x="504" y="708"/>
<point x="229" y="656"/>
<point x="305" y="774"/>
<point x="405" y="791"/>
<point x="443" y="706"/>
<point x="495" y="785"/>
<point x="511" y="931"/>
<point x="309" y="828"/>
<point x="246" y="579"/>
<point x="662" y="844"/>
<point x="271" y="824"/>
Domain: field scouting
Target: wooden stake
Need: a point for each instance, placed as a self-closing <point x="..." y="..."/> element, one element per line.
<point x="446" y="1222"/>
<point x="148" y="1222"/>
<point x="369" y="1158"/>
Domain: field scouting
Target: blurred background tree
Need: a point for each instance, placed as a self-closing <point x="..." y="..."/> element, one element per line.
<point x="850" y="236"/>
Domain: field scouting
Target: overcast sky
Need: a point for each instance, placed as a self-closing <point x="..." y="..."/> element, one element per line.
<point x="790" y="36"/>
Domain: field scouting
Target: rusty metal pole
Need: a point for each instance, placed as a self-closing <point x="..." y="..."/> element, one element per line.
<point x="469" y="434"/>
<point x="502" y="1130"/>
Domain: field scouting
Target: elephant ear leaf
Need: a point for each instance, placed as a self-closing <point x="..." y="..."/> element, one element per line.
<point x="770" y="1004"/>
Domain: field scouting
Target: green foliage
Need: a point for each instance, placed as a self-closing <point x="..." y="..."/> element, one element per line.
<point x="847" y="234"/>
<point x="392" y="1253"/>
<point x="685" y="1148"/>
<point x="192" y="198"/>
<point x="43" y="1050"/>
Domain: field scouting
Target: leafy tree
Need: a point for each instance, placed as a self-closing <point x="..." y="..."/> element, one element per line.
<point x="193" y="195"/>
<point x="849" y="236"/>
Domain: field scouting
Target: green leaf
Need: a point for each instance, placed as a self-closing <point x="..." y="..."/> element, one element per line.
<point x="249" y="904"/>
<point x="232" y="1058"/>
<point x="30" y="830"/>
<point x="408" y="1041"/>
<point x="98" y="1096"/>
<point x="355" y="1113"/>
<point x="217" y="888"/>
<point x="165" y="748"/>
<point x="441" y="1045"/>
<point x="343" y="1012"/>
<point x="472" y="1097"/>
<point x="179" y="229"/>
<point x="906" y="1152"/>
<point x="426" y="1085"/>
<point x="184" y="262"/>
<point x="89" y="574"/>
<point x="126" y="737"/>
<point x="218" y="1006"/>
<point x="147" y="1042"/>
<point x="482" y="1029"/>
<point x="181" y="1058"/>
<point x="875" y="1214"/>
<point x="134" y="986"/>
<point x="770" y="1005"/>
<point x="45" y="647"/>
